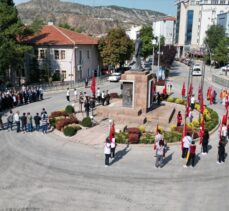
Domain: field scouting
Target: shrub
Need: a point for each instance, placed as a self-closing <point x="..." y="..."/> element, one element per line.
<point x="142" y="129"/>
<point x="114" y="95"/>
<point x="121" y="137"/>
<point x="133" y="138"/>
<point x="69" y="109"/>
<point x="172" y="136"/>
<point x="179" y="101"/>
<point x="173" y="127"/>
<point x="52" y="122"/>
<point x="58" y="114"/>
<point x="171" y="99"/>
<point x="86" y="122"/>
<point x="70" y="131"/>
<point x="133" y="130"/>
<point x="147" y="138"/>
<point x="64" y="122"/>
<point x="76" y="126"/>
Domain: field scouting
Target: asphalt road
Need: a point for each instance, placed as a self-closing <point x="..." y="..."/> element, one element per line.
<point x="47" y="172"/>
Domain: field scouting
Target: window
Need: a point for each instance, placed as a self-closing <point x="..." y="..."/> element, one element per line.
<point x="80" y="57"/>
<point x="62" y="54"/>
<point x="88" y="54"/>
<point x="64" y="74"/>
<point x="56" y="54"/>
<point x="42" y="54"/>
<point x="189" y="27"/>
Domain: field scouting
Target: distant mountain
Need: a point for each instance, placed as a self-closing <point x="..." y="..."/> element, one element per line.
<point x="92" y="20"/>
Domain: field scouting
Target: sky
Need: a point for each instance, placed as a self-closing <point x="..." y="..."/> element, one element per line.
<point x="166" y="6"/>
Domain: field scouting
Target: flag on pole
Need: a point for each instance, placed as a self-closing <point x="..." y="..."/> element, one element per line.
<point x="190" y="89"/>
<point x="93" y="86"/>
<point x="112" y="131"/>
<point x="165" y="90"/>
<point x="199" y="94"/>
<point x="202" y="104"/>
<point x="157" y="128"/>
<point x="183" y="90"/>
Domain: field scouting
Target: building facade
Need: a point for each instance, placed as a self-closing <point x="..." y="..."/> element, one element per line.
<point x="72" y="55"/>
<point x="194" y="18"/>
<point x="165" y="27"/>
<point x="223" y="20"/>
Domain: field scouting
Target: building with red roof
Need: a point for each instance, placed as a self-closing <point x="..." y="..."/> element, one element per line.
<point x="72" y="55"/>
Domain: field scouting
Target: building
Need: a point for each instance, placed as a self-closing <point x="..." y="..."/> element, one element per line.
<point x="133" y="31"/>
<point x="72" y="55"/>
<point x="165" y="27"/>
<point x="223" y="20"/>
<point x="194" y="18"/>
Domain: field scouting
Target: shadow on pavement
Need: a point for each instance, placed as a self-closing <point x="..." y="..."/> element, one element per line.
<point x="120" y="154"/>
<point x="168" y="159"/>
<point x="197" y="159"/>
<point x="209" y="147"/>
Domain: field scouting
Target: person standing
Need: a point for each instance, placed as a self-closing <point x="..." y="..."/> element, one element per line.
<point x="10" y="120"/>
<point x="205" y="142"/>
<point x="107" y="151"/>
<point x="29" y="122"/>
<point x="81" y="100"/>
<point x="103" y="97"/>
<point x="17" y="120"/>
<point x="113" y="146"/>
<point x="179" y="119"/>
<point x="68" y="95"/>
<point x="76" y="94"/>
<point x="187" y="140"/>
<point x="87" y="107"/>
<point x="98" y="95"/>
<point x="224" y="131"/>
<point x="190" y="116"/>
<point x="44" y="123"/>
<point x="221" y="152"/>
<point x="192" y="105"/>
<point x="192" y="155"/>
<point x="24" y="122"/>
<point x="86" y="82"/>
<point x="160" y="154"/>
<point x="107" y="97"/>
<point x="37" y="120"/>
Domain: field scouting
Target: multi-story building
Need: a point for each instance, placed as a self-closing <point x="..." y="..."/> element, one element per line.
<point x="165" y="27"/>
<point x="223" y="20"/>
<point x="194" y="18"/>
<point x="72" y="55"/>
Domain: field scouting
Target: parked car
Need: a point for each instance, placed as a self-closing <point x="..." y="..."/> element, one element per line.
<point x="114" y="77"/>
<point x="196" y="70"/>
<point x="225" y="68"/>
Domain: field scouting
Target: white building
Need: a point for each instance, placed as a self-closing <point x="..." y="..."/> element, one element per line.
<point x="194" y="18"/>
<point x="133" y="31"/>
<point x="73" y="55"/>
<point x="223" y="20"/>
<point x="165" y="27"/>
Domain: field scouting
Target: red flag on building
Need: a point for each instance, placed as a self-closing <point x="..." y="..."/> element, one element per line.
<point x="93" y="86"/>
<point x="183" y="90"/>
<point x="201" y="130"/>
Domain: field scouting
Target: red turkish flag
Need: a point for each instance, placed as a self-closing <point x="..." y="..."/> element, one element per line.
<point x="165" y="89"/>
<point x="112" y="131"/>
<point x="201" y="130"/>
<point x="199" y="93"/>
<point x="183" y="90"/>
<point x="202" y="105"/>
<point x="93" y="86"/>
<point x="190" y="89"/>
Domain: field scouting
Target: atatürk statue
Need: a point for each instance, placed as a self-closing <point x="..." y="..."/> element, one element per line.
<point x="137" y="54"/>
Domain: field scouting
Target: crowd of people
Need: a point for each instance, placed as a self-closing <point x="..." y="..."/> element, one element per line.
<point x="11" y="98"/>
<point x="25" y="122"/>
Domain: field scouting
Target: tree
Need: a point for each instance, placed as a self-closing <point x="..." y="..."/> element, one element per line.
<point x="116" y="47"/>
<point x="213" y="36"/>
<point x="146" y="34"/>
<point x="11" y="30"/>
<point x="221" y="52"/>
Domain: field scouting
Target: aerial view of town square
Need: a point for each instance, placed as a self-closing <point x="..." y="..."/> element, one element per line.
<point x="114" y="105"/>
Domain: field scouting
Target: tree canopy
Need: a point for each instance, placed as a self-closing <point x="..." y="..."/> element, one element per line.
<point x="11" y="30"/>
<point x="116" y="47"/>
<point x="146" y="34"/>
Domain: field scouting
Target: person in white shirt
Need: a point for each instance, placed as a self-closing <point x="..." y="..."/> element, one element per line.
<point x="160" y="153"/>
<point x="17" y="120"/>
<point x="76" y="94"/>
<point x="113" y="146"/>
<point x="98" y="95"/>
<point x="187" y="140"/>
<point x="192" y="102"/>
<point x="68" y="95"/>
<point x="107" y="151"/>
<point x="103" y="97"/>
<point x="224" y="131"/>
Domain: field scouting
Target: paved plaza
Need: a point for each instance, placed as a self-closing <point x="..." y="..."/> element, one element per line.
<point x="51" y="172"/>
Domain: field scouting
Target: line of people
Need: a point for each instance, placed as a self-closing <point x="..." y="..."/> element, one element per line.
<point x="26" y="122"/>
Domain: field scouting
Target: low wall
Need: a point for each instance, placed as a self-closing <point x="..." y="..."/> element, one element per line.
<point x="221" y="80"/>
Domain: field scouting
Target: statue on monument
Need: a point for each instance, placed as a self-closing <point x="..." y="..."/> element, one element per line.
<point x="137" y="54"/>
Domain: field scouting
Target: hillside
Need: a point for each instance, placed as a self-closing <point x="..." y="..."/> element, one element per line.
<point x="92" y="20"/>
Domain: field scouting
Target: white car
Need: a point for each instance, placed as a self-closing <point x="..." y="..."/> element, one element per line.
<point x="196" y="71"/>
<point x="114" y="77"/>
<point x="225" y="68"/>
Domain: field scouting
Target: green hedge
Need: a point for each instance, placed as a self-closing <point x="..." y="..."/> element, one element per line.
<point x="69" y="109"/>
<point x="86" y="122"/>
<point x="70" y="131"/>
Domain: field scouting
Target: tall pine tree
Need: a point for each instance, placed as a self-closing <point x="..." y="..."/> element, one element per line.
<point x="11" y="30"/>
